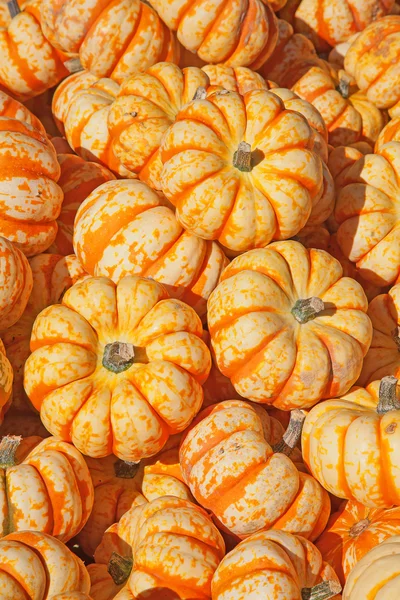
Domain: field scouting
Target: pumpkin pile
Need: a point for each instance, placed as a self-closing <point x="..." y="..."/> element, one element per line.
<point x="200" y="300"/>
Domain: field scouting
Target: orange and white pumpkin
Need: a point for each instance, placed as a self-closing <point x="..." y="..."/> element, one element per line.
<point x="297" y="331"/>
<point x="65" y="93"/>
<point x="16" y="284"/>
<point x="110" y="355"/>
<point x="124" y="228"/>
<point x="15" y="110"/>
<point x="6" y="381"/>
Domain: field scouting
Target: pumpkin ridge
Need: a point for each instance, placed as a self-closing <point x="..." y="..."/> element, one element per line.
<point x="215" y="21"/>
<point x="229" y="583"/>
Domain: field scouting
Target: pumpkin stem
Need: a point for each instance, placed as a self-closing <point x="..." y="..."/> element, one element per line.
<point x="13" y="8"/>
<point x="119" y="567"/>
<point x="125" y="470"/>
<point x="118" y="356"/>
<point x="359" y="528"/>
<point x="242" y="157"/>
<point x="307" y="309"/>
<point x="396" y="337"/>
<point x="73" y="65"/>
<point x="200" y="93"/>
<point x="322" y="591"/>
<point x="343" y="86"/>
<point x="388" y="395"/>
<point x="292" y="434"/>
<point x="8" y="447"/>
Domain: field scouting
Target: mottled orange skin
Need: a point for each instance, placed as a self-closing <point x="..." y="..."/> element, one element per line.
<point x="114" y="38"/>
<point x="383" y="357"/>
<point x="254" y="490"/>
<point x="86" y="403"/>
<point x="329" y="22"/>
<point x="29" y="64"/>
<point x="210" y="193"/>
<point x="14" y="109"/>
<point x="30" y="199"/>
<point x="373" y="60"/>
<point x="51" y="275"/>
<point x="48" y="490"/>
<point x="125" y="228"/>
<point x="65" y="94"/>
<point x="272" y="564"/>
<point x="368" y="213"/>
<point x="36" y="566"/>
<point x="354" y="530"/>
<point x="16" y="284"/>
<point x="331" y="432"/>
<point x="234" y="33"/>
<point x="269" y="356"/>
<point x="77" y="180"/>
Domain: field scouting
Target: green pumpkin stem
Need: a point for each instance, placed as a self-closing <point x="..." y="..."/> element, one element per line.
<point x="388" y="395"/>
<point x="307" y="309"/>
<point x="13" y="8"/>
<point x="242" y="157"/>
<point x="119" y="567"/>
<point x="322" y="591"/>
<point x="292" y="434"/>
<point x="8" y="448"/>
<point x="118" y="356"/>
<point x="126" y="470"/>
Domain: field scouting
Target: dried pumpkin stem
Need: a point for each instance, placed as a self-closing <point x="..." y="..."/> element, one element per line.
<point x="13" y="8"/>
<point x="343" y="86"/>
<point x="388" y="395"/>
<point x="242" y="157"/>
<point x="73" y="65"/>
<point x="307" y="309"/>
<point x="292" y="434"/>
<point x="322" y="591"/>
<point x="119" y="568"/>
<point x="126" y="470"/>
<point x="8" y="448"/>
<point x="200" y="93"/>
<point x="118" y="356"/>
<point x="359" y="528"/>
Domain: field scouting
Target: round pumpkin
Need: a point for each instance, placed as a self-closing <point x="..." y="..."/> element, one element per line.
<point x="110" y="355"/>
<point x="32" y="477"/>
<point x="77" y="180"/>
<point x="52" y="275"/>
<point x="252" y="490"/>
<point x="373" y="120"/>
<point x="274" y="565"/>
<point x="124" y="228"/>
<point x="14" y="109"/>
<point x="213" y="174"/>
<point x="237" y="34"/>
<point x="65" y="93"/>
<point x="16" y="284"/>
<point x="31" y="198"/>
<point x="372" y="60"/>
<point x="366" y="419"/>
<point x="352" y="531"/>
<point x="237" y="79"/>
<point x="114" y="39"/>
<point x="30" y="569"/>
<point x="368" y="213"/>
<point x="376" y="575"/>
<point x="297" y="330"/>
<point x="383" y="357"/>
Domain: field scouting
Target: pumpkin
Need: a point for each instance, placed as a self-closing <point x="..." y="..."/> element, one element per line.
<point x="5" y="382"/>
<point x="297" y="330"/>
<point x="31" y="198"/>
<point x="145" y="107"/>
<point x="367" y="417"/>
<point x="390" y="133"/>
<point x="30" y="569"/>
<point x="16" y="286"/>
<point x="77" y="180"/>
<point x="32" y="477"/>
<point x="328" y="23"/>
<point x="124" y="228"/>
<point x="376" y="575"/>
<point x="254" y="490"/>
<point x="372" y="60"/>
<point x="337" y="54"/>
<point x="190" y="548"/>
<point x="237" y="34"/>
<point x="352" y="531"/>
<point x="373" y="120"/>
<point x="52" y="275"/>
<point x="212" y="174"/>
<point x="383" y="357"/>
<point x="128" y="353"/>
<point x="65" y="94"/>
<point x="29" y="65"/>
<point x="26" y="425"/>
<point x="14" y="109"/>
<point x="367" y="210"/>
<point x="114" y="39"/>
<point x="274" y="565"/>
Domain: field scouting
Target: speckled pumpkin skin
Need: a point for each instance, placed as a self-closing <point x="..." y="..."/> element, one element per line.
<point x="48" y="490"/>
<point x="30" y="569"/>
<point x="268" y="355"/>
<point x="330" y="433"/>
<point x="253" y="490"/>
<point x="16" y="283"/>
<point x="9" y="107"/>
<point x="82" y="401"/>
<point x="272" y="564"/>
<point x="210" y="193"/>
